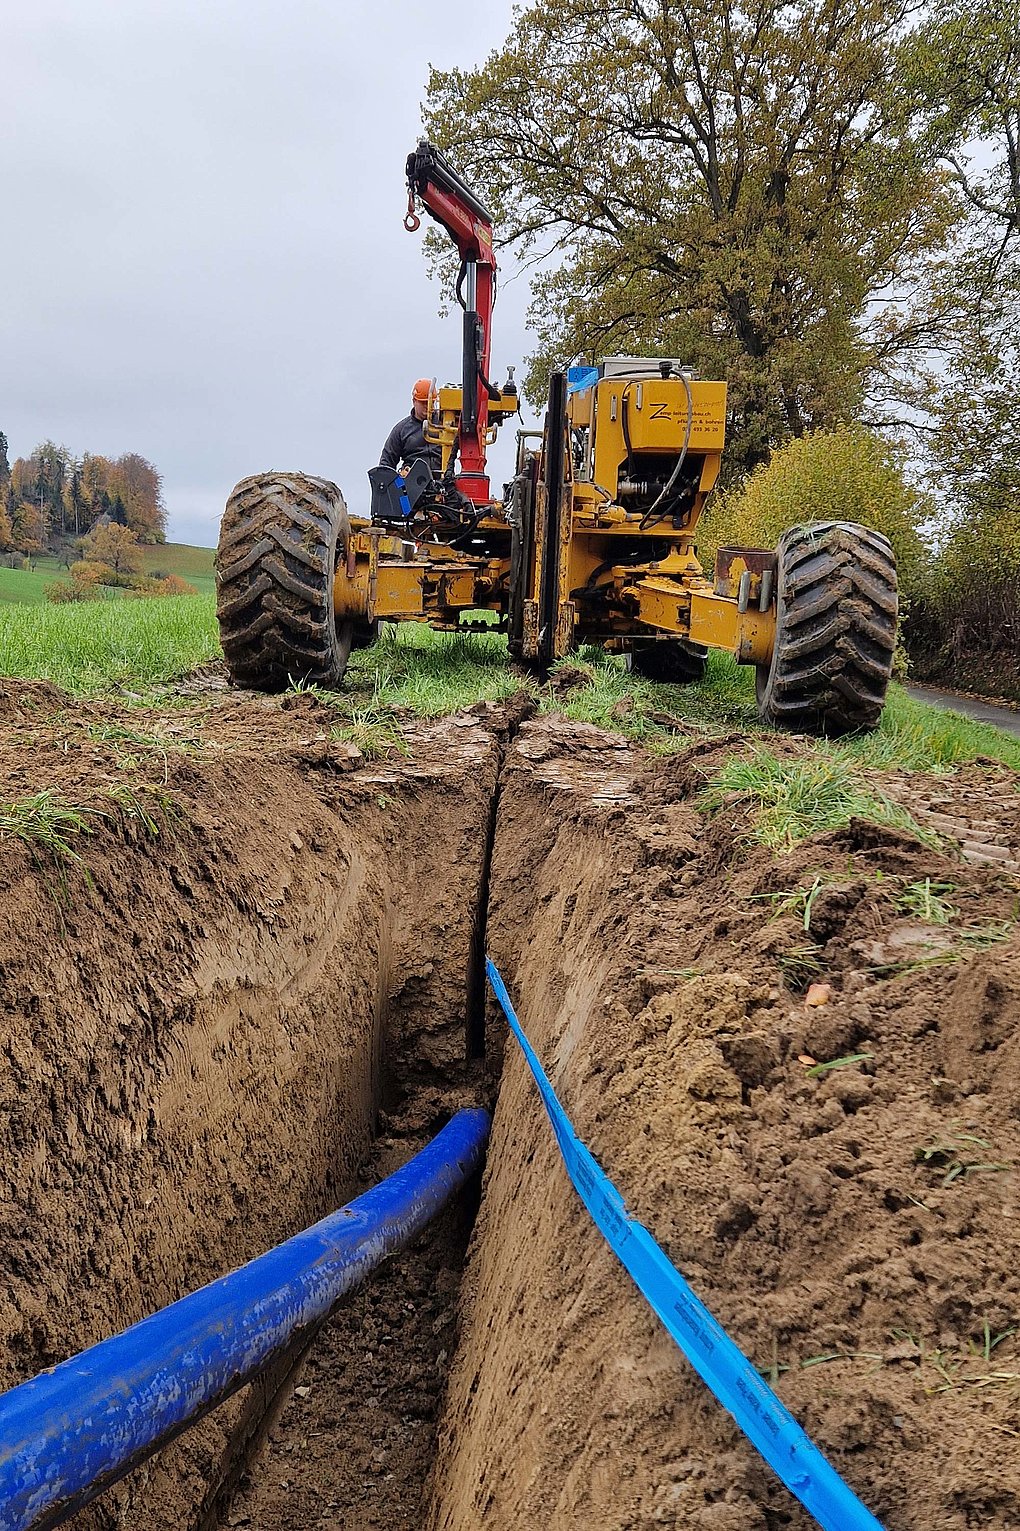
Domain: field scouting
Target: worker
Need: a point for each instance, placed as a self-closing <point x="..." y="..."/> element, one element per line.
<point x="406" y="441"/>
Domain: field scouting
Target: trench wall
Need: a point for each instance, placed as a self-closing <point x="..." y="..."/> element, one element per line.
<point x="195" y="1030"/>
<point x="801" y="1205"/>
<point x="562" y="1383"/>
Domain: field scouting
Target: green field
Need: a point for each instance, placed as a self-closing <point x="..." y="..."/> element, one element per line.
<point x="25" y="587"/>
<point x="95" y="645"/>
<point x="100" y="645"/>
<point x="193" y="564"/>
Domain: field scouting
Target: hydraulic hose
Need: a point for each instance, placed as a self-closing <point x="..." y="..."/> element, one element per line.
<point x="646" y="519"/>
<point x="70" y="1432"/>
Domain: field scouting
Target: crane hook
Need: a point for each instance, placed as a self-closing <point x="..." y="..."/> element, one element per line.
<point x="411" y="219"/>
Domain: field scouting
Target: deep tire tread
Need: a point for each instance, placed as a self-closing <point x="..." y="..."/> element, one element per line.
<point x="836" y="611"/>
<point x="274" y="582"/>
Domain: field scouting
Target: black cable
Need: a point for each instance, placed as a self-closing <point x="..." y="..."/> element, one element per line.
<point x="625" y="422"/>
<point x="646" y="521"/>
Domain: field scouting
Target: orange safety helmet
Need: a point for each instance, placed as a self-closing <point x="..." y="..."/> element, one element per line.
<point x="421" y="390"/>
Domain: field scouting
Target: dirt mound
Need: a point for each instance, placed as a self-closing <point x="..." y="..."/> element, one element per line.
<point x="837" y="1181"/>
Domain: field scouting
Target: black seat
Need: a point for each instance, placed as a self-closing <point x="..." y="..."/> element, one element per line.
<point x="395" y="496"/>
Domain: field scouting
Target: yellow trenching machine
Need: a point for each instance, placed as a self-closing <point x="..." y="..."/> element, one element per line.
<point x="594" y="541"/>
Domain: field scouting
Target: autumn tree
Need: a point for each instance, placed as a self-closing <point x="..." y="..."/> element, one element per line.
<point x="115" y="546"/>
<point x="720" y="182"/>
<point x="6" y="531"/>
<point x="30" y="528"/>
<point x="139" y="486"/>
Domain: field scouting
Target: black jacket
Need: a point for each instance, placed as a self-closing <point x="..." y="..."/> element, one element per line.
<point x="406" y="442"/>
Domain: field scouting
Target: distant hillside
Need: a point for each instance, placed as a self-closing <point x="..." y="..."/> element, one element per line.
<point x="193" y="564"/>
<point x="26" y="586"/>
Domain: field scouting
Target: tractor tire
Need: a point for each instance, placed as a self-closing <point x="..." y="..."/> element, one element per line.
<point x="674" y="661"/>
<point x="279" y="542"/>
<point x="836" y="611"/>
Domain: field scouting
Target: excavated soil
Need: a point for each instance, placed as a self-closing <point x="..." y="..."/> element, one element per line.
<point x="247" y="1003"/>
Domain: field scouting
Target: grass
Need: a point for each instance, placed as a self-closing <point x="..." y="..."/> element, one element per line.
<point x="816" y="1070"/>
<point x="926" y="901"/>
<point x="661" y="717"/>
<point x="801" y="965"/>
<point x="373" y="730"/>
<point x="413" y="670"/>
<point x="955" y="1157"/>
<point x="140" y="803"/>
<point x="191" y="563"/>
<point x="916" y="736"/>
<point x="800" y="901"/>
<point x="45" y="822"/>
<point x="429" y="673"/>
<point x="27" y="587"/>
<point x="146" y="644"/>
<point x="912" y="735"/>
<point x="98" y="645"/>
<point x="788" y="800"/>
<point x="953" y="1369"/>
<point x="965" y="943"/>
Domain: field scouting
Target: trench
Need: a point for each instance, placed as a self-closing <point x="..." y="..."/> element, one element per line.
<point x="245" y="1023"/>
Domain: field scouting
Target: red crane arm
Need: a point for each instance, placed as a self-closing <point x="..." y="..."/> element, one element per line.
<point x="433" y="182"/>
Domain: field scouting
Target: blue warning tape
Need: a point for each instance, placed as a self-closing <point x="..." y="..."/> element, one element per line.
<point x="766" y="1422"/>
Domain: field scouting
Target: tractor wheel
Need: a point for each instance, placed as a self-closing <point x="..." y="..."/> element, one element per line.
<point x="836" y="609"/>
<point x="672" y="660"/>
<point x="279" y="542"/>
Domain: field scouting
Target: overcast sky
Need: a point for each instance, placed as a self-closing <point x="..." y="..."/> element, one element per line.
<point x="203" y="257"/>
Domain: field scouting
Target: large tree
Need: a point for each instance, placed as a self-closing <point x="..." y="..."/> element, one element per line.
<point x="962" y="71"/>
<point x="114" y="545"/>
<point x="728" y="183"/>
<point x="961" y="75"/>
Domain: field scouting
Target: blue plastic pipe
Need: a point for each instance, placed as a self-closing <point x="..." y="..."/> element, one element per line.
<point x="72" y="1431"/>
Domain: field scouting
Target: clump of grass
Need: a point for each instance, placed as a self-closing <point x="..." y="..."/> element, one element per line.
<point x="954" y="1157"/>
<point x="131" y="745"/>
<point x="133" y="806"/>
<point x="372" y="730"/>
<point x="799" y="901"/>
<point x="800" y="965"/>
<point x="926" y="901"/>
<point x="792" y="799"/>
<point x="45" y="822"/>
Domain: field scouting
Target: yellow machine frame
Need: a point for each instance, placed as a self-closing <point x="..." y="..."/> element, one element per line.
<point x="573" y="554"/>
